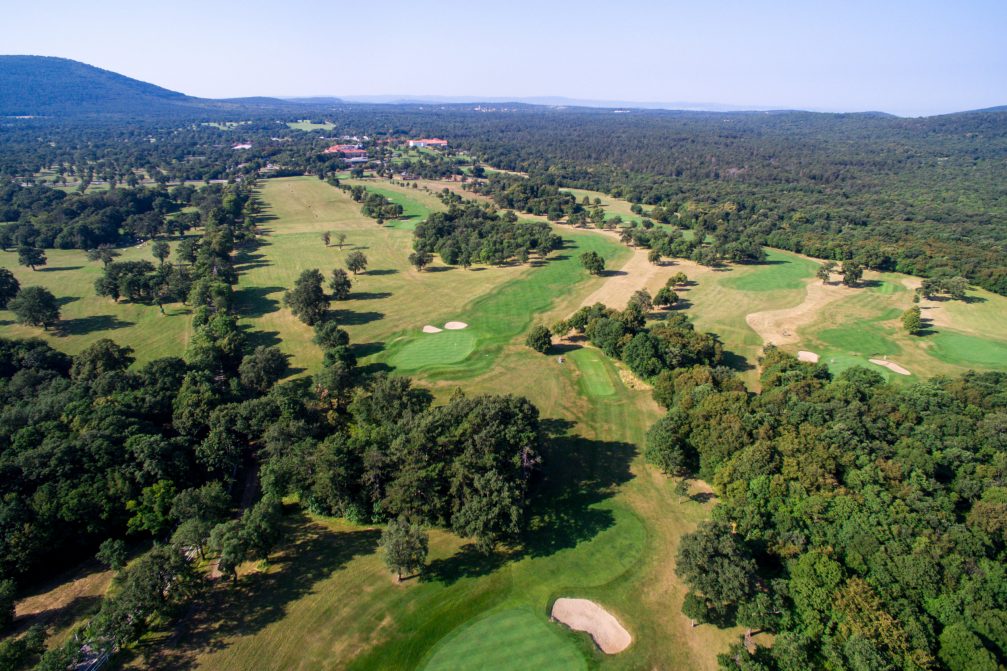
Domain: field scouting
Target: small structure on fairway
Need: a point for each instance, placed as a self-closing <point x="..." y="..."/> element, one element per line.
<point x="585" y="615"/>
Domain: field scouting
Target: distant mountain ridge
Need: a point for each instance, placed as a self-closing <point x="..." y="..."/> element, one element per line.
<point x="60" y="87"/>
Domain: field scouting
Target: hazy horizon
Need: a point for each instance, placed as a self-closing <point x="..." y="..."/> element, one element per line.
<point x="905" y="58"/>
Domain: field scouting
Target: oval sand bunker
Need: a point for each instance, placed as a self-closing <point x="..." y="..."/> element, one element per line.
<point x="455" y="326"/>
<point x="431" y="329"/>
<point x="807" y="357"/>
<point x="894" y="367"/>
<point x="585" y="615"/>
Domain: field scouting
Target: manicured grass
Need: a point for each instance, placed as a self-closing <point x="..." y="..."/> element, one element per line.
<point x="965" y="350"/>
<point x="498" y="317"/>
<point x="86" y="317"/>
<point x="781" y="271"/>
<point x="434" y="349"/>
<point x="308" y="125"/>
<point x="416" y="204"/>
<point x="490" y="643"/>
<point x="595" y="380"/>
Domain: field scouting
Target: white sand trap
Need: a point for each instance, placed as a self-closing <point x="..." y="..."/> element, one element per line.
<point x="431" y="329"/>
<point x="584" y="615"/>
<point x="894" y="367"/>
<point x="456" y="326"/>
<point x="808" y="357"/>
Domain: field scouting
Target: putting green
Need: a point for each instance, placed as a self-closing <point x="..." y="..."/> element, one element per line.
<point x="516" y="639"/>
<point x="781" y="271"/>
<point x="435" y="349"/>
<point x="594" y="380"/>
<point x="966" y="350"/>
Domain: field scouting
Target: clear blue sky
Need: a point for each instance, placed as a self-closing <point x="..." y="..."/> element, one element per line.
<point x="905" y="57"/>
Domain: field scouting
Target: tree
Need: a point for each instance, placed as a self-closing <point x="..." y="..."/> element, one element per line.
<point x="340" y="239"/>
<point x="328" y="335"/>
<point x="667" y="444"/>
<point x="641" y="299"/>
<point x="112" y="553"/>
<point x="356" y="262"/>
<point x="539" y="339"/>
<point x="654" y="256"/>
<point x="853" y="272"/>
<point x="421" y="259"/>
<point x="962" y="650"/>
<point x="104" y="253"/>
<point x="161" y="250"/>
<point x="911" y="320"/>
<point x="340" y="284"/>
<point x="695" y="608"/>
<point x="307" y="300"/>
<point x="326" y="238"/>
<point x="262" y="527"/>
<point x="825" y="271"/>
<point x="228" y="541"/>
<point x="665" y="298"/>
<point x="35" y="306"/>
<point x="593" y="262"/>
<point x="405" y="547"/>
<point x="102" y="356"/>
<point x="679" y="279"/>
<point x="30" y="256"/>
<point x="8" y="597"/>
<point x="187" y="250"/>
<point x="152" y="512"/>
<point x="262" y="368"/>
<point x="9" y="286"/>
<point x="716" y="564"/>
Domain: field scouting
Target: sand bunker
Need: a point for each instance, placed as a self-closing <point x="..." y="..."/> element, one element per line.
<point x="584" y="615"/>
<point x="456" y="326"/>
<point x="894" y="367"/>
<point x="809" y="357"/>
<point x="431" y="329"/>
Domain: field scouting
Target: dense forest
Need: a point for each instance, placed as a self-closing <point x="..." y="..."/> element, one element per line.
<point x="860" y="522"/>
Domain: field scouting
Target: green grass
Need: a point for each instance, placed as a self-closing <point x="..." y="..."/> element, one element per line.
<point x="595" y="380"/>
<point x="490" y="643"/>
<point x="968" y="351"/>
<point x="309" y="126"/>
<point x="416" y="204"/>
<point x="782" y="271"/>
<point x="434" y="349"/>
<point x="86" y="317"/>
<point x="497" y="318"/>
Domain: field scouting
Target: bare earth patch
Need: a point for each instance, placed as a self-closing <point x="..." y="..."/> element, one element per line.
<point x="585" y="615"/>
<point x="780" y="326"/>
<point x="431" y="329"/>
<point x="808" y="357"/>
<point x="456" y="326"/>
<point x="894" y="367"/>
<point x="639" y="273"/>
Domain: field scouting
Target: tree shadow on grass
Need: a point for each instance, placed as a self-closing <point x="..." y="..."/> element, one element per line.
<point x="257" y="301"/>
<point x="366" y="349"/>
<point x="381" y="271"/>
<point x="84" y="325"/>
<point x="56" y="269"/>
<point x="353" y="318"/>
<point x="312" y="554"/>
<point x="579" y="473"/>
<point x="369" y="295"/>
<point x="66" y="300"/>
<point x="612" y="273"/>
<point x="257" y="338"/>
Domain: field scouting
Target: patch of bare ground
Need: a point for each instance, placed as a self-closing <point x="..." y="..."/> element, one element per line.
<point x="780" y="326"/>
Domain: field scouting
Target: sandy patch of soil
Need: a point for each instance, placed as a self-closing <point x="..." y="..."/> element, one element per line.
<point x="431" y="329"/>
<point x="806" y="356"/>
<point x="585" y="615"/>
<point x="894" y="367"/>
<point x="639" y="273"/>
<point x="780" y="326"/>
<point x="456" y="326"/>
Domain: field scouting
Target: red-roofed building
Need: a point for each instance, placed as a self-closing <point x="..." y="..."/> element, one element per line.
<point x="347" y="150"/>
<point x="429" y="142"/>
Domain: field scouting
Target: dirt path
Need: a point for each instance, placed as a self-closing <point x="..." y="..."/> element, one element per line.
<point x="780" y="326"/>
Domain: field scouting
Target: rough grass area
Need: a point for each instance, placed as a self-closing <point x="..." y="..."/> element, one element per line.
<point x="488" y="644"/>
<point x="781" y="271"/>
<point x="87" y="317"/>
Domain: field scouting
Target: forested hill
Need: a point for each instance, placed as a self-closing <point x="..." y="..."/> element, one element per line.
<point x="59" y="87"/>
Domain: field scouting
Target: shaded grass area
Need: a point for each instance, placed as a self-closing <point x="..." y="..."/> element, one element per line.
<point x="489" y="643"/>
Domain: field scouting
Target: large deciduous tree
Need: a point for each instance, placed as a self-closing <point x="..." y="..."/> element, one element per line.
<point x="307" y="300"/>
